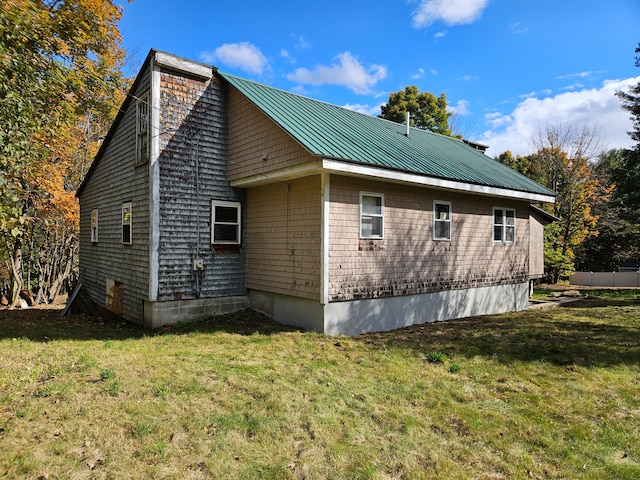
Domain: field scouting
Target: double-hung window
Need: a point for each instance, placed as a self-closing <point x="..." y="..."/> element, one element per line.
<point x="371" y="215"/>
<point x="225" y="222"/>
<point x="504" y="225"/>
<point x="441" y="220"/>
<point x="126" y="223"/>
<point x="142" y="130"/>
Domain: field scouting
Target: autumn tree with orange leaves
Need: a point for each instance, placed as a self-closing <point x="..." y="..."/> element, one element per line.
<point x="60" y="83"/>
<point x="563" y="163"/>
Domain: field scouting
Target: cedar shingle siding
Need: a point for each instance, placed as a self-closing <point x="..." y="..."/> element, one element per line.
<point x="283" y="238"/>
<point x="296" y="168"/>
<point x="408" y="261"/>
<point x="113" y="181"/>
<point x="193" y="146"/>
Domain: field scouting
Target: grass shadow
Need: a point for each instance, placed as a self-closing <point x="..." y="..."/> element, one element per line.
<point x="243" y="322"/>
<point x="43" y="324"/>
<point x="592" y="332"/>
<point x="597" y="331"/>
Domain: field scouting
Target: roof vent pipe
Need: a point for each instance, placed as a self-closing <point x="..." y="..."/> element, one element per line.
<point x="407" y="122"/>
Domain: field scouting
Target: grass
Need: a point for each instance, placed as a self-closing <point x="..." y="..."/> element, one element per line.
<point x="537" y="394"/>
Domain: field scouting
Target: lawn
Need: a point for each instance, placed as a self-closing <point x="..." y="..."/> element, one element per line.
<point x="537" y="394"/>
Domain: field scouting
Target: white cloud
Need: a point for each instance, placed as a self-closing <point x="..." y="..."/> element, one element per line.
<point x="517" y="28"/>
<point x="451" y="12"/>
<point x="286" y="56"/>
<point x="596" y="106"/>
<point x="302" y="43"/>
<point x="460" y="108"/>
<point x="346" y="71"/>
<point x="418" y="75"/>
<point x="366" y="109"/>
<point x="244" y="56"/>
<point x="545" y="93"/>
<point x="439" y="35"/>
<point x="497" y="119"/>
<point x="575" y="86"/>
<point x="578" y="75"/>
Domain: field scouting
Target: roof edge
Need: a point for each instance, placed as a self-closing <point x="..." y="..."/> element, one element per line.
<point x="326" y="165"/>
<point x="545" y="216"/>
<point x="163" y="59"/>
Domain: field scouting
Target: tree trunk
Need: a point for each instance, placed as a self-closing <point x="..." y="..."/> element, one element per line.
<point x="16" y="272"/>
<point x="67" y="256"/>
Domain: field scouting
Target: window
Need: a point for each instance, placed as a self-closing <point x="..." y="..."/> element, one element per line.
<point x="504" y="225"/>
<point x="126" y="223"/>
<point x="225" y="222"/>
<point x="142" y="130"/>
<point x="441" y="221"/>
<point x="94" y="225"/>
<point x="371" y="215"/>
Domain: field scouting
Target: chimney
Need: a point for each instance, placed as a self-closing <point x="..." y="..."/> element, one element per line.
<point x="408" y="120"/>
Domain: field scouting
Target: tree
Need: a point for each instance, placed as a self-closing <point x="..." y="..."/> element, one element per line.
<point x="427" y="111"/>
<point x="617" y="238"/>
<point x="562" y="164"/>
<point x="59" y="65"/>
<point x="626" y="174"/>
<point x="519" y="164"/>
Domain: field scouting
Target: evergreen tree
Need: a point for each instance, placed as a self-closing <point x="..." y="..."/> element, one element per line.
<point x="626" y="175"/>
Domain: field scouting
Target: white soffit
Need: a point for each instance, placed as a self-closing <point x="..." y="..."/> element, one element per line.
<point x="434" y="182"/>
<point x="364" y="171"/>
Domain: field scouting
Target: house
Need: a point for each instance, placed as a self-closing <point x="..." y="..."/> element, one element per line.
<point x="212" y="193"/>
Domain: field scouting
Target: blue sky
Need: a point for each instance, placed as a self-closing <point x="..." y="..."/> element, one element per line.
<point x="509" y="68"/>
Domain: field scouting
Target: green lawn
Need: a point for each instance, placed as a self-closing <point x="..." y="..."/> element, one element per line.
<point x="538" y="394"/>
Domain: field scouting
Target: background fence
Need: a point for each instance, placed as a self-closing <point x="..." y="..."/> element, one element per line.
<point x="606" y="279"/>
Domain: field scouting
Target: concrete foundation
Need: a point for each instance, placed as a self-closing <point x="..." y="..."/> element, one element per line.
<point x="389" y="313"/>
<point x="159" y="314"/>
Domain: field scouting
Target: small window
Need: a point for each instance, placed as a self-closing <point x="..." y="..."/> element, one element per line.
<point x="371" y="215"/>
<point x="225" y="223"/>
<point x="126" y="223"/>
<point x="142" y="130"/>
<point x="504" y="225"/>
<point x="94" y="225"/>
<point x="441" y="221"/>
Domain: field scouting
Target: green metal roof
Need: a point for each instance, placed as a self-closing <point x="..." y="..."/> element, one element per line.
<point x="334" y="132"/>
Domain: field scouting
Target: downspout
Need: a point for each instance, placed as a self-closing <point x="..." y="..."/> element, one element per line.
<point x="324" y="235"/>
<point x="197" y="260"/>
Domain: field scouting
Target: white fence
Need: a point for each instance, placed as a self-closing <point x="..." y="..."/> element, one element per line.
<point x="606" y="279"/>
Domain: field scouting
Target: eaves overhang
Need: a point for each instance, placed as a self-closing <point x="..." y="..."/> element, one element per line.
<point x="338" y="167"/>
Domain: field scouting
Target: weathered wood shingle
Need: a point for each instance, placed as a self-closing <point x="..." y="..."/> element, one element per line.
<point x="193" y="172"/>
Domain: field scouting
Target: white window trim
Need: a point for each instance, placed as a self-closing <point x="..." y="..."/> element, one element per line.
<point x="503" y="225"/>
<point x="143" y="105"/>
<point x="127" y="205"/>
<point x="94" y="225"/>
<point x="380" y="215"/>
<point x="435" y="220"/>
<point x="220" y="203"/>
